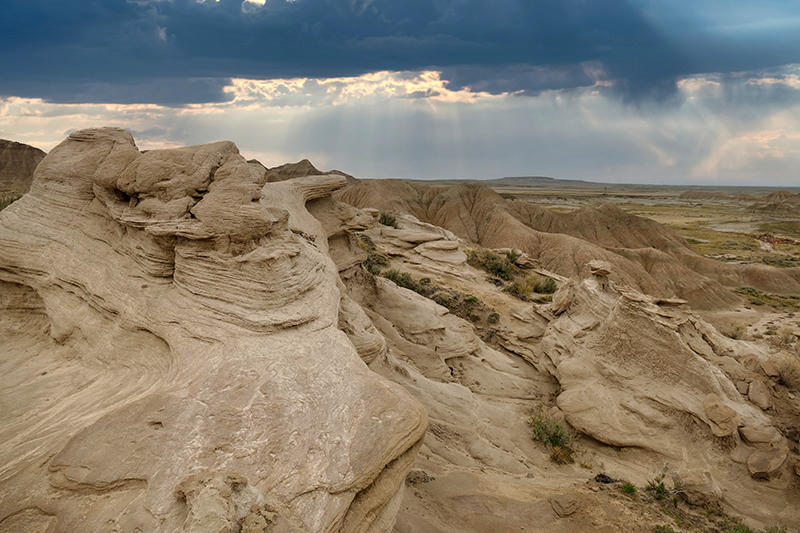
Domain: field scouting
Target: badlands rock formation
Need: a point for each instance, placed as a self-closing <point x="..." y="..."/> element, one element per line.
<point x="644" y="254"/>
<point x="17" y="163"/>
<point x="646" y="380"/>
<point x="189" y="346"/>
<point x="171" y="355"/>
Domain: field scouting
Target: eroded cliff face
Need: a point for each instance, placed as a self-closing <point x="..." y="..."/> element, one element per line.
<point x="172" y="357"/>
<point x="17" y="163"/>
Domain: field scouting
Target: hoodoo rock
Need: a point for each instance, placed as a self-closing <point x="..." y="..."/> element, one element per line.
<point x="172" y="357"/>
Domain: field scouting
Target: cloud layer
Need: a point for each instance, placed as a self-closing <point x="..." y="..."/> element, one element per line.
<point x="185" y="51"/>
<point x="414" y="125"/>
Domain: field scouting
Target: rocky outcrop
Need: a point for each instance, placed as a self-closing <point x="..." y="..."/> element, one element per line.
<point x="172" y="352"/>
<point x="17" y="163"/>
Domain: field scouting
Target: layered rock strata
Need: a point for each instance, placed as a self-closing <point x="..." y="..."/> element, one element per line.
<point x="172" y="358"/>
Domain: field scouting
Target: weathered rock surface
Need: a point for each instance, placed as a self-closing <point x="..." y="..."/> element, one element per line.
<point x="171" y="349"/>
<point x="17" y="163"/>
<point x="767" y="464"/>
<point x="698" y="487"/>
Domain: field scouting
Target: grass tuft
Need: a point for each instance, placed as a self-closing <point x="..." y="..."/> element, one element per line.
<point x="555" y="435"/>
<point x="388" y="220"/>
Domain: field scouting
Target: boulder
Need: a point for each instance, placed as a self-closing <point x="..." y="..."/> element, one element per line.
<point x="769" y="368"/>
<point x="767" y="464"/>
<point x="723" y="420"/>
<point x="698" y="487"/>
<point x="754" y="436"/>
<point x="759" y="394"/>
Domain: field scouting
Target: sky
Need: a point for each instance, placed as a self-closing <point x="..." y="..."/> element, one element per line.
<point x="626" y="91"/>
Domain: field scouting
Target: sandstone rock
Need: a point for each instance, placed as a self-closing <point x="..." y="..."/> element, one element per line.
<point x="754" y="436"/>
<point x="600" y="268"/>
<point x="698" y="487"/>
<point x="724" y="420"/>
<point x="760" y="394"/>
<point x="768" y="367"/>
<point x="742" y="387"/>
<point x="750" y="361"/>
<point x="741" y="454"/>
<point x="767" y="464"/>
<point x="185" y="314"/>
<point x="564" y="505"/>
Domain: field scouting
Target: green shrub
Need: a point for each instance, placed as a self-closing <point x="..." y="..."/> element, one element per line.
<point x="664" y="529"/>
<point x="628" y="488"/>
<point x="493" y="318"/>
<point x="388" y="220"/>
<point x="532" y="284"/>
<point x="512" y="256"/>
<point x="491" y="263"/>
<point x="656" y="486"/>
<point x="8" y="199"/>
<point x="555" y="435"/>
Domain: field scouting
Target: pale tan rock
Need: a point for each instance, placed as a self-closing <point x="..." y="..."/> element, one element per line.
<point x="600" y="268"/>
<point x="724" y="420"/>
<point x="698" y="487"/>
<point x="754" y="436"/>
<point x="741" y="454"/>
<point x="768" y="367"/>
<point x="185" y="314"/>
<point x="760" y="394"/>
<point x="742" y="387"/>
<point x="767" y="464"/>
<point x="750" y="361"/>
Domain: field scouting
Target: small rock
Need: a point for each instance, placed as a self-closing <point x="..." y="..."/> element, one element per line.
<point x="754" y="436"/>
<point x="768" y="464"/>
<point x="793" y="434"/>
<point x="750" y="361"/>
<point x="759" y="394"/>
<point x="564" y="505"/>
<point x="768" y="367"/>
<point x="741" y="454"/>
<point x="603" y="478"/>
<point x="723" y="419"/>
<point x="697" y="487"/>
<point x="600" y="268"/>
<point x="742" y="387"/>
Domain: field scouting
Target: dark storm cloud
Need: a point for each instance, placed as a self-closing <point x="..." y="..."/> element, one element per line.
<point x="171" y="52"/>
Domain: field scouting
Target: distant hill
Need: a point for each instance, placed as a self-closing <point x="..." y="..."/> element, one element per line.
<point x="17" y="163"/>
<point x="539" y="181"/>
<point x="300" y="169"/>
